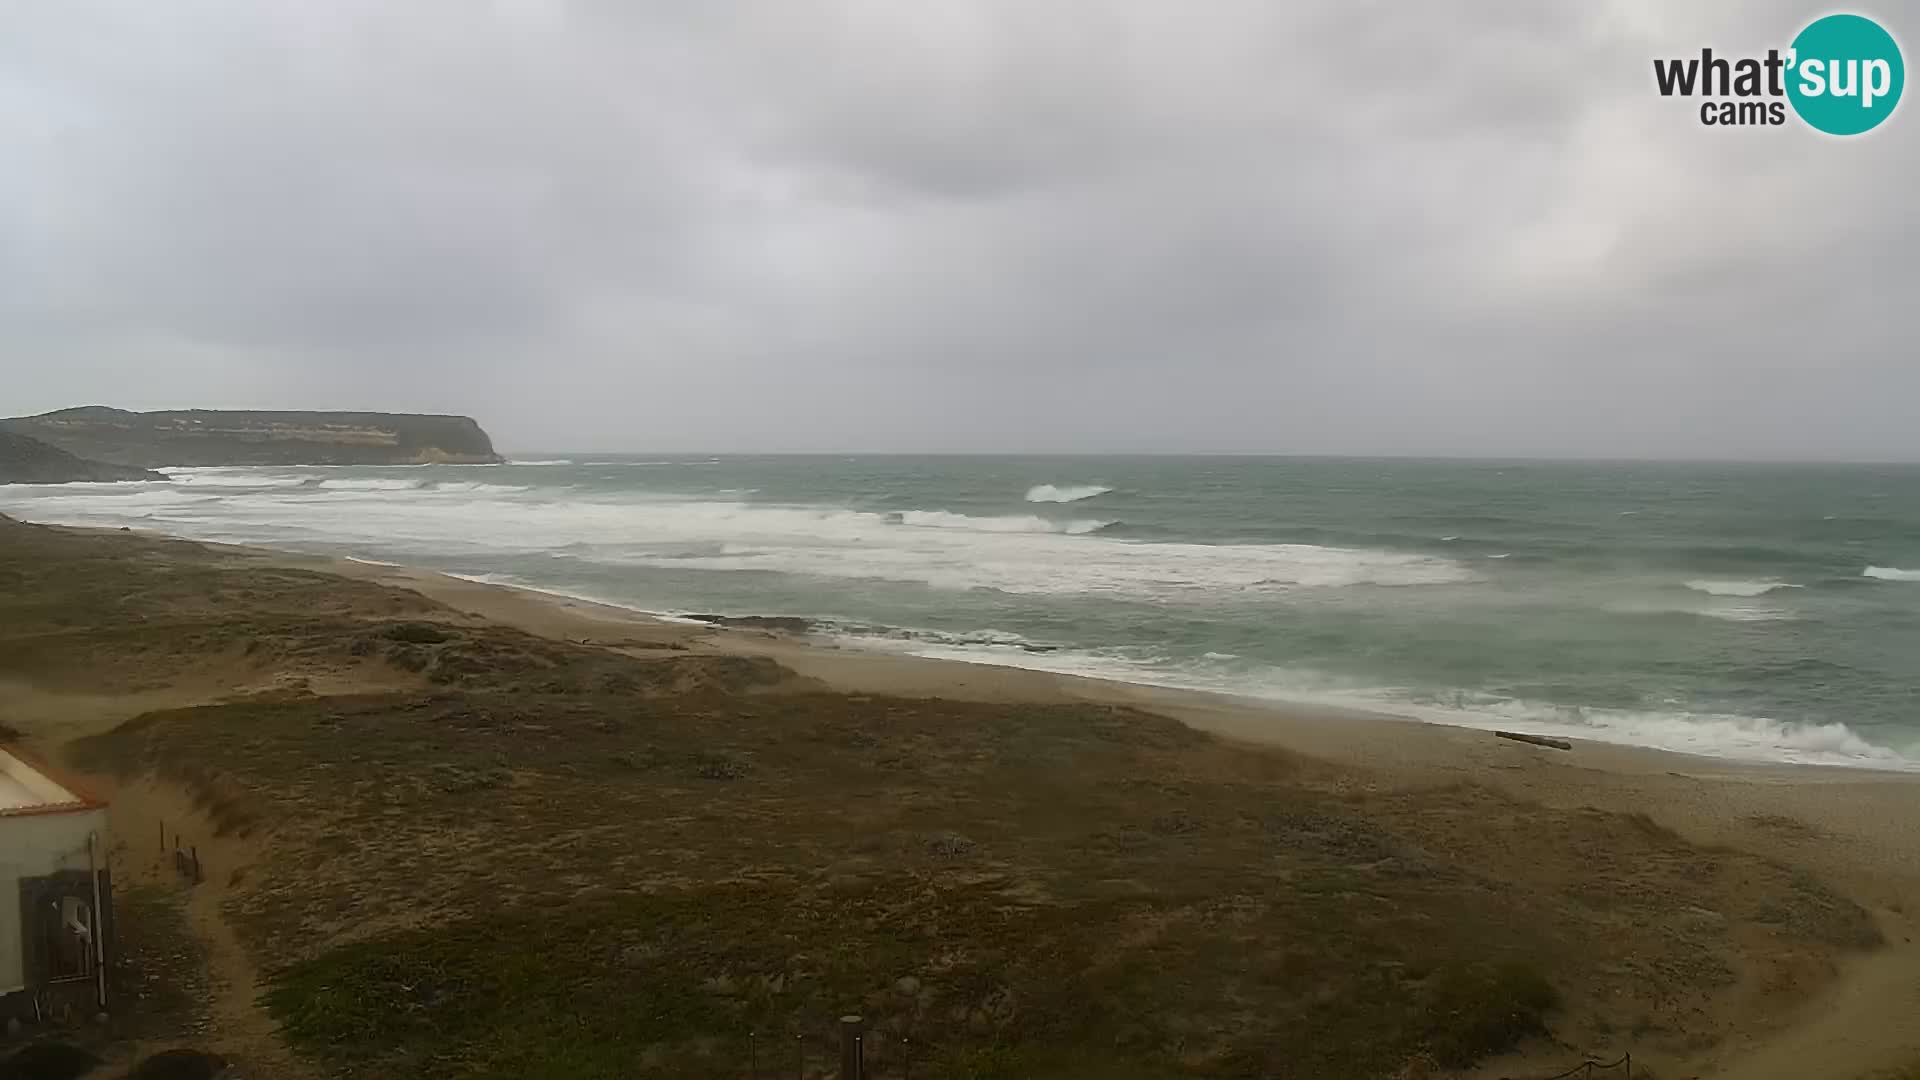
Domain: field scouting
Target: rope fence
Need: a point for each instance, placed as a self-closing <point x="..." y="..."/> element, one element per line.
<point x="186" y="859"/>
<point x="1586" y="1069"/>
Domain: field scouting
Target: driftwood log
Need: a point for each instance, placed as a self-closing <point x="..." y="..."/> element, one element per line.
<point x="1537" y="740"/>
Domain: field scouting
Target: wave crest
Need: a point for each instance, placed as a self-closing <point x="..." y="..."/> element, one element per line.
<point x="474" y="487"/>
<point x="1738" y="588"/>
<point x="1048" y="493"/>
<point x="367" y="483"/>
<point x="1011" y="523"/>
<point x="1890" y="573"/>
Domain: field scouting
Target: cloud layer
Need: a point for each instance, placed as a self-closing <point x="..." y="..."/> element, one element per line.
<point x="1343" y="228"/>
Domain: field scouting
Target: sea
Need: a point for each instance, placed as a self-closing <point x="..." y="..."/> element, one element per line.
<point x="1757" y="612"/>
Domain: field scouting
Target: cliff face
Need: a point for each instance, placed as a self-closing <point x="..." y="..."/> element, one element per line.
<point x="221" y="437"/>
<point x="30" y="461"/>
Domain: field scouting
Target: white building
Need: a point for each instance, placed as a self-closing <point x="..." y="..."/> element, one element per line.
<point x="55" y="893"/>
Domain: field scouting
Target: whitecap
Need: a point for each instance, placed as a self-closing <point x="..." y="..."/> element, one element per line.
<point x="1738" y="588"/>
<point x="1011" y="523"/>
<point x="1048" y="493"/>
<point x="370" y="483"/>
<point x="472" y="487"/>
<point x="1890" y="573"/>
<point x="1745" y="614"/>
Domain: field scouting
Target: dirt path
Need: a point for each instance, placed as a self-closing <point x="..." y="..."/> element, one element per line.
<point x="238" y="1026"/>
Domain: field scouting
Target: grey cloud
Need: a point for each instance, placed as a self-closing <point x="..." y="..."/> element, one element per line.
<point x="990" y="225"/>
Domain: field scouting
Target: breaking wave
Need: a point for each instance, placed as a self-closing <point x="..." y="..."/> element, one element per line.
<point x="1048" y="493"/>
<point x="1738" y="588"/>
<point x="1012" y="523"/>
<point x="475" y="487"/>
<point x="1891" y="573"/>
<point x="375" y="483"/>
<point x="938" y="549"/>
<point x="1746" y="614"/>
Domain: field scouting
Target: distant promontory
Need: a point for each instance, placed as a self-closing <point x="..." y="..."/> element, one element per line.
<point x="235" y="437"/>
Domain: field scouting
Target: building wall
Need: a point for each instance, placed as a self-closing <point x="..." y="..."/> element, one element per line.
<point x="35" y="845"/>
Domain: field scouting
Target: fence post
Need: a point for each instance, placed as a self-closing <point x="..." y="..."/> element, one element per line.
<point x="196" y="865"/>
<point x="851" y="1065"/>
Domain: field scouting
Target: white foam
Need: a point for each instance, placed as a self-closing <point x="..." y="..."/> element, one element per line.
<point x="1048" y="493"/>
<point x="474" y="487"/>
<point x="1011" y="523"/>
<point x="988" y="638"/>
<point x="1014" y="554"/>
<point x="1738" y="588"/>
<point x="371" y="483"/>
<point x="556" y="461"/>
<point x="234" y="478"/>
<point x="1891" y="573"/>
<point x="1746" y="614"/>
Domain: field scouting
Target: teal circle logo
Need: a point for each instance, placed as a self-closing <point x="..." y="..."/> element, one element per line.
<point x="1846" y="74"/>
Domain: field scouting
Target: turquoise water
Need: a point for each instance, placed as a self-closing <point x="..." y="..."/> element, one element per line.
<point x="1755" y="611"/>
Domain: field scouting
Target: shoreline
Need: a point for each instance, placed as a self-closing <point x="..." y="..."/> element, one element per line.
<point x="1113" y="688"/>
<point x="1725" y="699"/>
<point x="856" y="668"/>
<point x="1850" y="827"/>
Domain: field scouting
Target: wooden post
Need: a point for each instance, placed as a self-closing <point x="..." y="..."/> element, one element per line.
<point x="800" y="1057"/>
<point x="98" y="925"/>
<point x="753" y="1059"/>
<point x="851" y="1066"/>
<point x="196" y="864"/>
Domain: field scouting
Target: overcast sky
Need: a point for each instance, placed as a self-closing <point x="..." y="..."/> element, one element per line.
<point x="1467" y="228"/>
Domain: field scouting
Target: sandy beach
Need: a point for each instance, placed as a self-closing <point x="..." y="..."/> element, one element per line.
<point x="1604" y="833"/>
